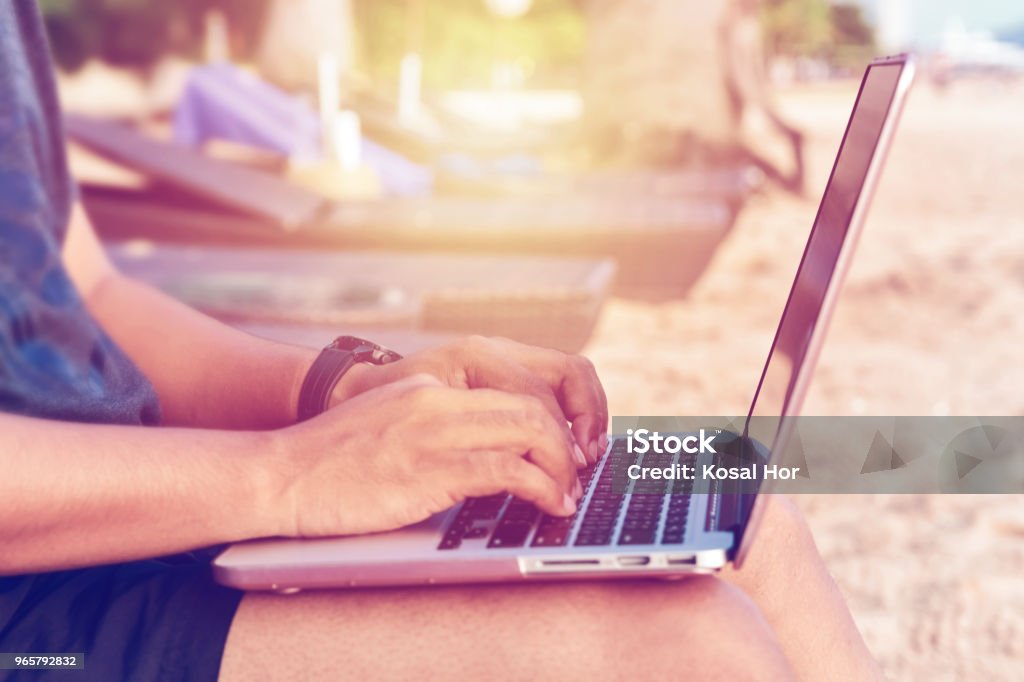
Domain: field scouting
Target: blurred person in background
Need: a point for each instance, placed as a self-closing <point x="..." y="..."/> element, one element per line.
<point x="135" y="432"/>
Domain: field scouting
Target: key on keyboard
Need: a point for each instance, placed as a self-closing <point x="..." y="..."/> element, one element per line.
<point x="506" y="521"/>
<point x="602" y="512"/>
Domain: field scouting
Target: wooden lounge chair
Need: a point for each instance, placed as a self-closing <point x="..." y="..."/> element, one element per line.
<point x="661" y="243"/>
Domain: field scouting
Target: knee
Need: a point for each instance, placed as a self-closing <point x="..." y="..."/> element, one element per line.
<point x="735" y="639"/>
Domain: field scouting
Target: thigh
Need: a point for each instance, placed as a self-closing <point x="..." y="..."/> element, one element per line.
<point x="699" y="627"/>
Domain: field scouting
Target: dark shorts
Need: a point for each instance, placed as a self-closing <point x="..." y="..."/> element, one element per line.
<point x="148" y="620"/>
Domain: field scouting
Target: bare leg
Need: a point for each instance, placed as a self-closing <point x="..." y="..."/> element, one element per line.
<point x="702" y="628"/>
<point x="787" y="579"/>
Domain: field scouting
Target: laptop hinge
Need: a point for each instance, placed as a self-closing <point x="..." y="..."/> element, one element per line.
<point x="730" y="501"/>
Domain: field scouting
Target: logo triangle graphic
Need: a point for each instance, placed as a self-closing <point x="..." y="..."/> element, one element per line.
<point x="965" y="463"/>
<point x="993" y="434"/>
<point x="881" y="456"/>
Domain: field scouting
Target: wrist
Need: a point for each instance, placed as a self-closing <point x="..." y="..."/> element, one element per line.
<point x="270" y="470"/>
<point x="359" y="378"/>
<point x="299" y="373"/>
<point x="339" y="372"/>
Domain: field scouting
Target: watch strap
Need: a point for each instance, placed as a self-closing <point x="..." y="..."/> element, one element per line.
<point x="324" y="374"/>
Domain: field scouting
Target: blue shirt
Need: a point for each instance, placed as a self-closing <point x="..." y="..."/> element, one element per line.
<point x="55" y="360"/>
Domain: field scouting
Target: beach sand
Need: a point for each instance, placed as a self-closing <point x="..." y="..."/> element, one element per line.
<point x="929" y="323"/>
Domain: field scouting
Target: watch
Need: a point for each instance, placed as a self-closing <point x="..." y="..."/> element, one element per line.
<point x="330" y="366"/>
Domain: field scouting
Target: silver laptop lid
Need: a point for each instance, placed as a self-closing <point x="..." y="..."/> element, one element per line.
<point x="826" y="257"/>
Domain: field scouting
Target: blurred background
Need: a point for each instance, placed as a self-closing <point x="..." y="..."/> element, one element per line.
<point x="633" y="180"/>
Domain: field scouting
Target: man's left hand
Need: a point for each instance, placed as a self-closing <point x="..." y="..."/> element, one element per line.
<point x="566" y="384"/>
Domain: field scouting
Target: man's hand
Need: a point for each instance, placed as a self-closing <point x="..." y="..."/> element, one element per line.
<point x="566" y="385"/>
<point x="398" y="453"/>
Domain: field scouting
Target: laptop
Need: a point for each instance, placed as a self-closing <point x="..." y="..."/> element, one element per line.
<point x="618" y="531"/>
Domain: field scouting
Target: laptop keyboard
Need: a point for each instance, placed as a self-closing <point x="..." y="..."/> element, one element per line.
<point x="653" y="512"/>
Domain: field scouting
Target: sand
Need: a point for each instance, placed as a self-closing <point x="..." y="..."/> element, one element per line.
<point x="929" y="323"/>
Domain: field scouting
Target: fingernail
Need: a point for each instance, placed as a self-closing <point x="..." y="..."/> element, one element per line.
<point x="580" y="459"/>
<point x="594" y="454"/>
<point x="577" y="489"/>
<point x="602" y="442"/>
<point x="568" y="505"/>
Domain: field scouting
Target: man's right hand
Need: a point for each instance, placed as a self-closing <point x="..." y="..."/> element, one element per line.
<point x="399" y="453"/>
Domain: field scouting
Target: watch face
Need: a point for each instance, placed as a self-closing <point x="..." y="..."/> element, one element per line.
<point x="365" y="351"/>
<point x="353" y="343"/>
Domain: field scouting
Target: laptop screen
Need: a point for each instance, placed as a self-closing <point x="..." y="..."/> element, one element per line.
<point x="818" y="266"/>
<point x="790" y="359"/>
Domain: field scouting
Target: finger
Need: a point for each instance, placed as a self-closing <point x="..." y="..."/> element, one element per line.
<point x="493" y="472"/>
<point x="525" y="432"/>
<point x="487" y="419"/>
<point x="579" y="391"/>
<point x="497" y="372"/>
<point x="602" y="397"/>
<point x="487" y="368"/>
<point x="574" y="381"/>
<point x="592" y="425"/>
<point x="583" y="430"/>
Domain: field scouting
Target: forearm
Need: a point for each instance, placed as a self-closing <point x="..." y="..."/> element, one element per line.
<point x="206" y="374"/>
<point x="80" y="494"/>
